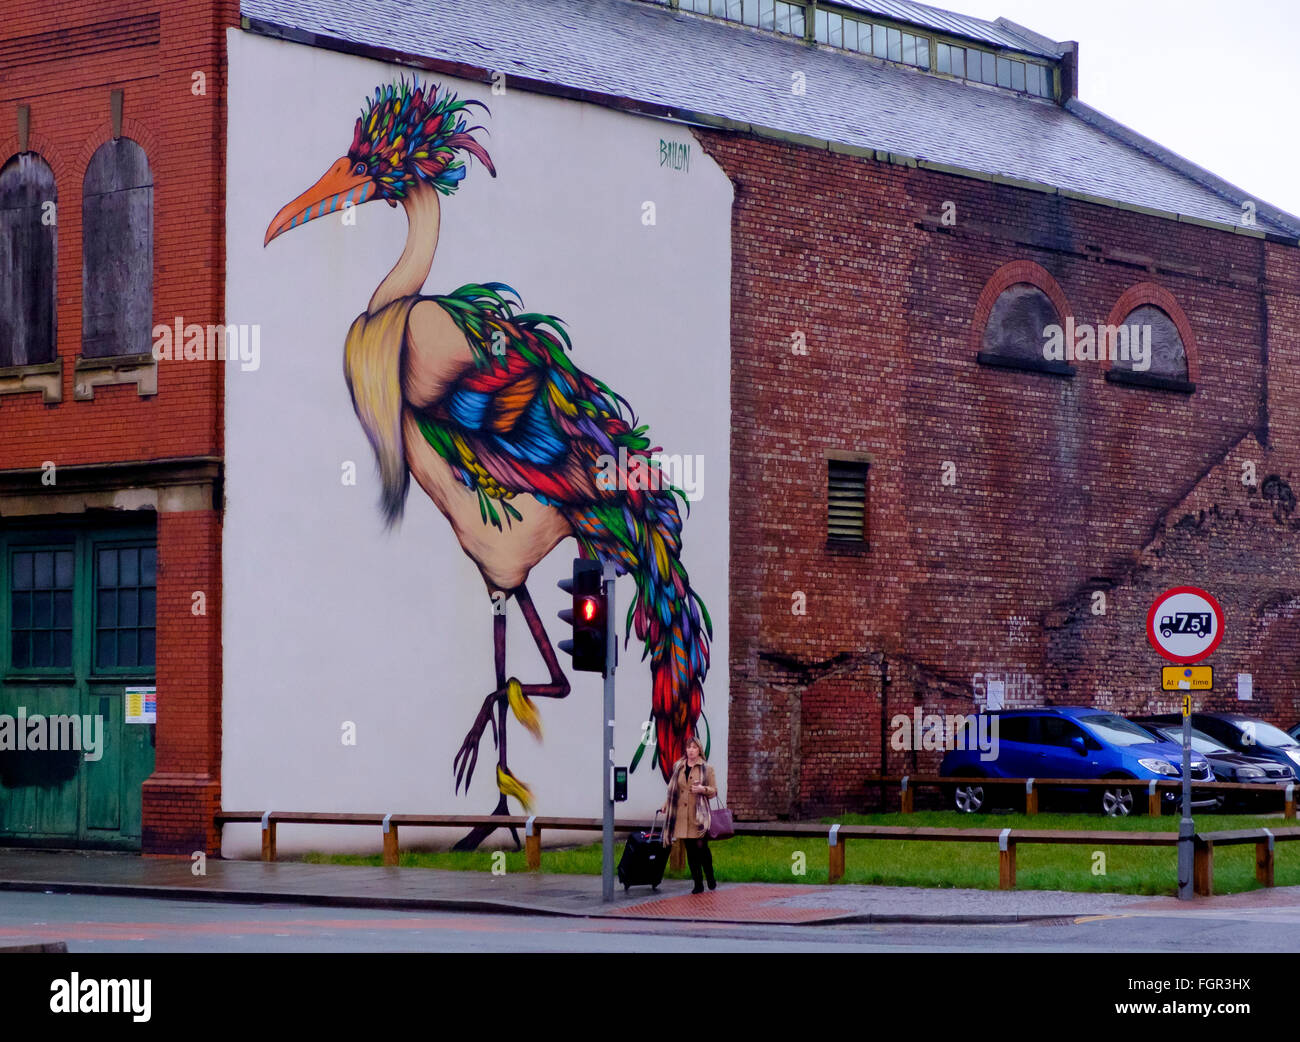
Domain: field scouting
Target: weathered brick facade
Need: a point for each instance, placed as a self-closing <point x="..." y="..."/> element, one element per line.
<point x="63" y="60"/>
<point x="1059" y="486"/>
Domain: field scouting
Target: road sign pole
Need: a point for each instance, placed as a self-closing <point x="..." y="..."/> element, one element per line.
<point x="607" y="761"/>
<point x="1185" y="828"/>
<point x="1185" y="624"/>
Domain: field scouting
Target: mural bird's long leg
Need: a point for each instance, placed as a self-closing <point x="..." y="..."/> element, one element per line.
<point x="467" y="756"/>
<point x="498" y="700"/>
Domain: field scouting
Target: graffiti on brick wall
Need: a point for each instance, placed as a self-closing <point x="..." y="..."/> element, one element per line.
<point x="1020" y="630"/>
<point x="1004" y="688"/>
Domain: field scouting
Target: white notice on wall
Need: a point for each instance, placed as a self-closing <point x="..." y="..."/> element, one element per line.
<point x="1245" y="687"/>
<point x="996" y="689"/>
<point x="141" y="705"/>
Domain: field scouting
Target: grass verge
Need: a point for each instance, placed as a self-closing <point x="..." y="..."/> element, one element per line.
<point x="750" y="859"/>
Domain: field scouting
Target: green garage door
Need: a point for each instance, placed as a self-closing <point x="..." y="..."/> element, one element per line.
<point x="77" y="628"/>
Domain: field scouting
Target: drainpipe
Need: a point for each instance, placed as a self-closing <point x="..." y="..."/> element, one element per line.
<point x="884" y="713"/>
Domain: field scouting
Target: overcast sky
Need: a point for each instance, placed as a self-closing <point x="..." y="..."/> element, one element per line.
<point x="1217" y="81"/>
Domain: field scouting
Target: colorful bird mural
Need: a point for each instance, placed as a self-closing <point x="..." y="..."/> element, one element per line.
<point x="517" y="447"/>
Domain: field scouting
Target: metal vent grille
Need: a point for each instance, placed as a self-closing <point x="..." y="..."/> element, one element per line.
<point x="846" y="501"/>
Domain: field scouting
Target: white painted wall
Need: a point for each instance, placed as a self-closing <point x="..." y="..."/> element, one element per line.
<point x="327" y="618"/>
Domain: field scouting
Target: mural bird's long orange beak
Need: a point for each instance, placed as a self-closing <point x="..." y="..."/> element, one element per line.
<point x="340" y="186"/>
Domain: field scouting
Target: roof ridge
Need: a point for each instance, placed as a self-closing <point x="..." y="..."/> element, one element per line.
<point x="1192" y="171"/>
<point x="1045" y="43"/>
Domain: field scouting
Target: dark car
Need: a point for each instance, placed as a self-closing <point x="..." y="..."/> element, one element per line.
<point x="1227" y="765"/>
<point x="1243" y="734"/>
<point x="1073" y="742"/>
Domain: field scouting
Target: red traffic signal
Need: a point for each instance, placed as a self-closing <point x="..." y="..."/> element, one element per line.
<point x="587" y="617"/>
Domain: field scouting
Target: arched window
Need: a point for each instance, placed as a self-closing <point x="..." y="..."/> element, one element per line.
<point x="117" y="252"/>
<point x="1154" y="343"/>
<point x="1015" y="317"/>
<point x="28" y="224"/>
<point x="1015" y="329"/>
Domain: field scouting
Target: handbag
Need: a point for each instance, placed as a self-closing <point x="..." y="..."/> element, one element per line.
<point x="720" y="824"/>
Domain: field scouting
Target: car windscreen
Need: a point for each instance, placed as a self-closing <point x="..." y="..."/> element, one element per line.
<point x="1265" y="734"/>
<point x="1201" y="741"/>
<point x="1115" y="730"/>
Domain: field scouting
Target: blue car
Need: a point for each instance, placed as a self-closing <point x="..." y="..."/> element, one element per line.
<point x="1071" y="742"/>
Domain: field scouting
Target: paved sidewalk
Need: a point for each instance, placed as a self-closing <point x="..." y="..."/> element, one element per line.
<point x="573" y="895"/>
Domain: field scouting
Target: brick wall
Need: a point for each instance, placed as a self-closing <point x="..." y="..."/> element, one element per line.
<point x="183" y="794"/>
<point x="1058" y="484"/>
<point x="67" y="86"/>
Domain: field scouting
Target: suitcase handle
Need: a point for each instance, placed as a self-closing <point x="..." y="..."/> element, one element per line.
<point x="653" y="822"/>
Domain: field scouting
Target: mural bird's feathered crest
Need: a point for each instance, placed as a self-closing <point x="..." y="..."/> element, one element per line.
<point x="407" y="134"/>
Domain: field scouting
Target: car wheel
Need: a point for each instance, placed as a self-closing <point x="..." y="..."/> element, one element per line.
<point x="1117" y="802"/>
<point x="968" y="797"/>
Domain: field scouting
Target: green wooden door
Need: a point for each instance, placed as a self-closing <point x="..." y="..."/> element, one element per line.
<point x="77" y="623"/>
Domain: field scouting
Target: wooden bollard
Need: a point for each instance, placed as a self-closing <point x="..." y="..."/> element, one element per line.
<point x="268" y="837"/>
<point x="835" y="861"/>
<point x="1289" y="811"/>
<point x="1031" y="797"/>
<point x="1153" y="800"/>
<point x="533" y="845"/>
<point x="1264" y="860"/>
<point x="905" y="795"/>
<point x="392" y="852"/>
<point x="677" y="859"/>
<point x="1203" y="868"/>
<point x="1006" y="861"/>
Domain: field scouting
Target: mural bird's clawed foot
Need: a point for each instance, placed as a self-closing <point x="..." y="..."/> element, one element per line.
<point x="467" y="756"/>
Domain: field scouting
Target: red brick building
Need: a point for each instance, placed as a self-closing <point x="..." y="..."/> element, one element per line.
<point x="100" y="452"/>
<point x="1063" y="485"/>
<point x="922" y="506"/>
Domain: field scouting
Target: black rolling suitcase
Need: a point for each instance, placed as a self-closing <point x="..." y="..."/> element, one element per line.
<point x="644" y="859"/>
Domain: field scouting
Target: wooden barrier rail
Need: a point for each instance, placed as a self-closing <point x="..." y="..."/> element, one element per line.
<point x="1030" y="787"/>
<point x="836" y="836"/>
<point x="1264" y="840"/>
<point x="391" y="823"/>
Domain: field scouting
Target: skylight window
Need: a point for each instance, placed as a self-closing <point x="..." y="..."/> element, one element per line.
<point x="970" y="63"/>
<point x="776" y="15"/>
<point x="850" y="33"/>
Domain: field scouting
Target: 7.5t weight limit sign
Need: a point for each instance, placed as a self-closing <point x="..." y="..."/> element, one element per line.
<point x="1185" y="624"/>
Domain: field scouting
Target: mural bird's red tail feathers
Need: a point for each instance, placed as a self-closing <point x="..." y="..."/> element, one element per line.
<point x="642" y="536"/>
<point x="675" y="719"/>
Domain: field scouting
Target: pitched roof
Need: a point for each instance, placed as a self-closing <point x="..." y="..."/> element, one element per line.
<point x="719" y="72"/>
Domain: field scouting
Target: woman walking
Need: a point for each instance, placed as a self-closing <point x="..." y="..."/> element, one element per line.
<point x="686" y="812"/>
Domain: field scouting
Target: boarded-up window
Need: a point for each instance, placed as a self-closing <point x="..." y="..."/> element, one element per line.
<point x="117" y="255"/>
<point x="846" y="501"/>
<point x="28" y="224"/>
<point x="1153" y="341"/>
<point x="1015" y="329"/>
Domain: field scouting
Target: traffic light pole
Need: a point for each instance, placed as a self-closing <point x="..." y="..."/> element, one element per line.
<point x="607" y="761"/>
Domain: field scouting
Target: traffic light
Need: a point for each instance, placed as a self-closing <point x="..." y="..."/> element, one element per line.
<point x="587" y="616"/>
